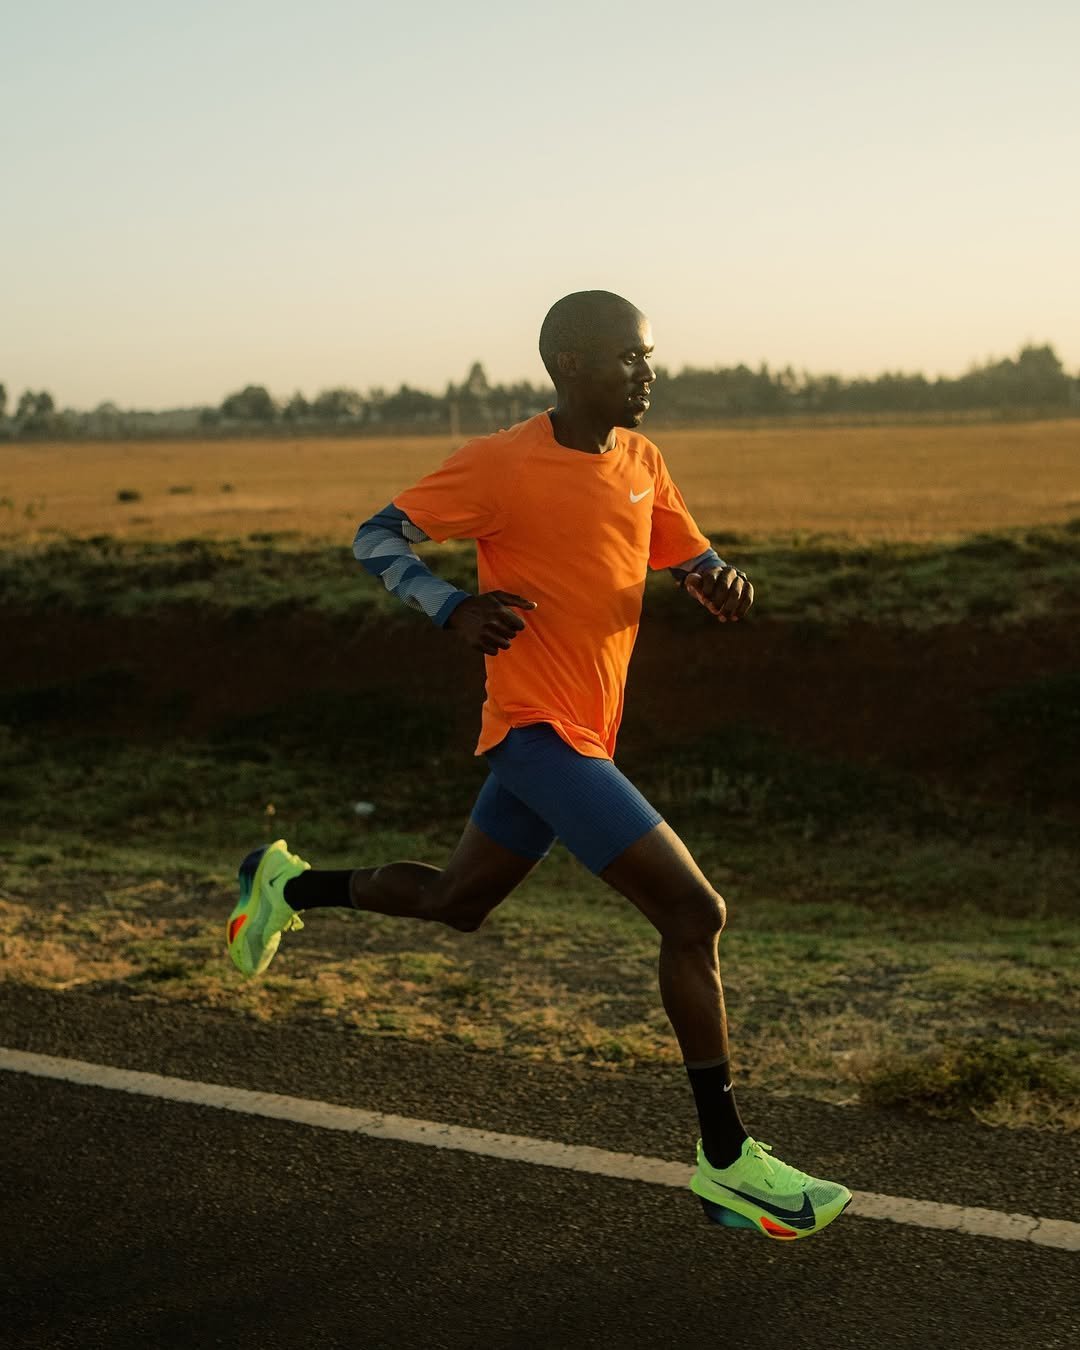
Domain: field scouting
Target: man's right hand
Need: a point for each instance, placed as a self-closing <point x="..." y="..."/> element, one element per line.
<point x="487" y="623"/>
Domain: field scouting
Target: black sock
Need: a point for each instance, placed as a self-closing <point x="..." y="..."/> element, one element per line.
<point x="722" y="1132"/>
<point x="319" y="890"/>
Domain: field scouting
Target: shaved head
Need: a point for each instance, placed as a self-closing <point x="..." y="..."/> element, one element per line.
<point x="574" y="323"/>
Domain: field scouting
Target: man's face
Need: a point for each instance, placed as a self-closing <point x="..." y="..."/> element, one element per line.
<point x="615" y="373"/>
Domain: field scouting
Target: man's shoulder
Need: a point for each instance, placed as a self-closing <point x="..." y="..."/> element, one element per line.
<point x="509" y="441"/>
<point x="641" y="448"/>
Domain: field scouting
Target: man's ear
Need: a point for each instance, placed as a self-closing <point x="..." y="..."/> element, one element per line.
<point x="568" y="364"/>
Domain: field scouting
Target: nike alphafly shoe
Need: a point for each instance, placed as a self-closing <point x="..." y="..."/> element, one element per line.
<point x="262" y="913"/>
<point x="760" y="1192"/>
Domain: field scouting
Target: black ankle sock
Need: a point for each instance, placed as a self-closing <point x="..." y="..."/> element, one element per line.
<point x="722" y="1132"/>
<point x="319" y="890"/>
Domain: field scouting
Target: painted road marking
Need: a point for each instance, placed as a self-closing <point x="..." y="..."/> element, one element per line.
<point x="516" y="1148"/>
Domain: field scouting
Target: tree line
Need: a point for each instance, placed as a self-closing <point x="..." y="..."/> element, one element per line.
<point x="1034" y="383"/>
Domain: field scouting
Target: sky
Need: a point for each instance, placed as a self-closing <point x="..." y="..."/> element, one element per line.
<point x="200" y="196"/>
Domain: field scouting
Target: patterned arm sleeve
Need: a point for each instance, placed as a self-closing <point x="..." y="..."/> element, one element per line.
<point x="382" y="547"/>
<point x="704" y="562"/>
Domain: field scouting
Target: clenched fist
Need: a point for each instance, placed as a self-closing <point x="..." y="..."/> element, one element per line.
<point x="487" y="622"/>
<point x="725" y="592"/>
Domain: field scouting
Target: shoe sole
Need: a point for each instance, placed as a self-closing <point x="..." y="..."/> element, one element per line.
<point x="727" y="1218"/>
<point x="730" y="1218"/>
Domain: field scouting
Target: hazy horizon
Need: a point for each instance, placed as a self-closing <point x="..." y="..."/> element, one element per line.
<point x="282" y="395"/>
<point x="207" y="196"/>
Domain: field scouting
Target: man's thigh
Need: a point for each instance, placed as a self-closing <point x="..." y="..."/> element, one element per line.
<point x="659" y="875"/>
<point x="508" y="821"/>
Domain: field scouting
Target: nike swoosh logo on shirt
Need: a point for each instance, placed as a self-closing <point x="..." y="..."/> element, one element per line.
<point x="728" y="1087"/>
<point x="637" y="496"/>
<point x="798" y="1218"/>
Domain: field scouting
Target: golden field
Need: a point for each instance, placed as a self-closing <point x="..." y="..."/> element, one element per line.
<point x="871" y="482"/>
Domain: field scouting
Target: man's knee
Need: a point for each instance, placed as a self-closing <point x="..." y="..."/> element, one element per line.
<point x="465" y="902"/>
<point x="452" y="904"/>
<point x="478" y="877"/>
<point x="696" y="918"/>
<point x="467" y="916"/>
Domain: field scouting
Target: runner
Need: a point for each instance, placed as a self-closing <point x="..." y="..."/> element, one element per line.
<point x="568" y="510"/>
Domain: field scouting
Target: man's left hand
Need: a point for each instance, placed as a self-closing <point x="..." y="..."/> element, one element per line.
<point x="725" y="592"/>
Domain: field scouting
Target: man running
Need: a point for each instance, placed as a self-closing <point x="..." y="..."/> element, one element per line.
<point x="568" y="509"/>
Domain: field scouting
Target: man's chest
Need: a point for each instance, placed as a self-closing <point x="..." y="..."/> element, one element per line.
<point x="607" y="516"/>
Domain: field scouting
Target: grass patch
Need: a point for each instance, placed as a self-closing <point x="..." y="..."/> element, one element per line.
<point x="823" y="581"/>
<point x="883" y="930"/>
<point x="819" y="581"/>
<point x="270" y="570"/>
<point x="784" y="822"/>
<point x="565" y="971"/>
<point x="994" y="1080"/>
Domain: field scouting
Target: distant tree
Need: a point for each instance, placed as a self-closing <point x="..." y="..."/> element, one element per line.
<point x="822" y="393"/>
<point x="35" y="412"/>
<point x="296" y="408"/>
<point x="252" y="404"/>
<point x="1035" y="379"/>
<point x="3" y="400"/>
<point x="334" y="405"/>
<point x="412" y="405"/>
<point x="1041" y="376"/>
<point x="105" y="420"/>
<point x="476" y="383"/>
<point x="509" y="403"/>
<point x="472" y="405"/>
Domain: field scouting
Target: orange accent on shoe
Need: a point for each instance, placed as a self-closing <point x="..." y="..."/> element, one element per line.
<point x="235" y="927"/>
<point x="775" y="1230"/>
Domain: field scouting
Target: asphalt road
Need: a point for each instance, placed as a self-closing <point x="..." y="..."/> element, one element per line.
<point x="135" y="1222"/>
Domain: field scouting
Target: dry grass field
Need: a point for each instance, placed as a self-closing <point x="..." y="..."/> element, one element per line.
<point x="901" y="482"/>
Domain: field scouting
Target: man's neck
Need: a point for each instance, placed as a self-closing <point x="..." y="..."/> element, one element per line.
<point x="574" y="432"/>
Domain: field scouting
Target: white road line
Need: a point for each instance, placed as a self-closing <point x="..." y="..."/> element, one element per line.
<point x="516" y="1148"/>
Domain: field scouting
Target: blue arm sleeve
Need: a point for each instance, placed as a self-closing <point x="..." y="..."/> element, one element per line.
<point x="382" y="547"/>
<point x="704" y="562"/>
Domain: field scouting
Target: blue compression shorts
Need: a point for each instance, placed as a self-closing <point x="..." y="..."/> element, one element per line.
<point x="540" y="789"/>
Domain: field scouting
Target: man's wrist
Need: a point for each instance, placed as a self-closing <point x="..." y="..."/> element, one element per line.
<point x="443" y="614"/>
<point x="711" y="562"/>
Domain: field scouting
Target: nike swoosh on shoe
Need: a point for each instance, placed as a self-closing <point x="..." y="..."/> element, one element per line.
<point x="798" y="1218"/>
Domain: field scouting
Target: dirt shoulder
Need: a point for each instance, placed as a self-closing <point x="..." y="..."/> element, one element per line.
<point x="986" y="710"/>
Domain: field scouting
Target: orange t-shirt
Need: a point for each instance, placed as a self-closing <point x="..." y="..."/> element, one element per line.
<point x="576" y="533"/>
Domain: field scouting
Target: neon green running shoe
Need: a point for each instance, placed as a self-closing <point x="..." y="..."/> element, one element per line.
<point x="262" y="913"/>
<point x="760" y="1192"/>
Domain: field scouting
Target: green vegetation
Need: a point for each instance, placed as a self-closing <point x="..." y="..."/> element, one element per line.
<point x="894" y="937"/>
<point x="963" y="1077"/>
<point x="819" y="582"/>
<point x="806" y="827"/>
<point x="997" y="579"/>
<point x="827" y="998"/>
